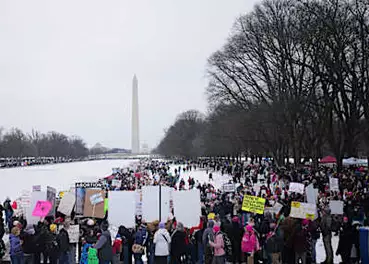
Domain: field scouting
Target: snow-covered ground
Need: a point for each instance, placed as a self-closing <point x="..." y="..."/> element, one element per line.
<point x="60" y="176"/>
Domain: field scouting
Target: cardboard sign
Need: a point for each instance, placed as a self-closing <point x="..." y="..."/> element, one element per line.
<point x="51" y="197"/>
<point x="303" y="210"/>
<point x="229" y="187"/>
<point x="73" y="232"/>
<point x="94" y="210"/>
<point x="42" y="208"/>
<point x="36" y="188"/>
<point x="96" y="199"/>
<point x="336" y="207"/>
<point x="297" y="187"/>
<point x="253" y="204"/>
<point x="333" y="184"/>
<point x="67" y="203"/>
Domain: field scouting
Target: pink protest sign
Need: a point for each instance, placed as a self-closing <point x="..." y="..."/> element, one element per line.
<point x="42" y="208"/>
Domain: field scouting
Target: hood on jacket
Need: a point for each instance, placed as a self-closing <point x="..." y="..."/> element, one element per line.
<point x="211" y="224"/>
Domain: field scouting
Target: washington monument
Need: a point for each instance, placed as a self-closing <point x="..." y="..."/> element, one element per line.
<point x="135" y="120"/>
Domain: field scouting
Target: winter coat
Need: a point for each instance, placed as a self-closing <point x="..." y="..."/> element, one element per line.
<point x="249" y="242"/>
<point x="29" y="243"/>
<point x="141" y="237"/>
<point x="326" y="225"/>
<point x="208" y="234"/>
<point x="162" y="242"/>
<point x="300" y="244"/>
<point x="15" y="246"/>
<point x="63" y="241"/>
<point x="274" y="242"/>
<point x="104" y="246"/>
<point x="51" y="244"/>
<point x="84" y="254"/>
<point x="236" y="234"/>
<point x="346" y="240"/>
<point x="218" y="245"/>
<point x="178" y="245"/>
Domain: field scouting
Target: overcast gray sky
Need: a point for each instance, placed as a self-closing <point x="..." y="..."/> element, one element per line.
<point x="68" y="65"/>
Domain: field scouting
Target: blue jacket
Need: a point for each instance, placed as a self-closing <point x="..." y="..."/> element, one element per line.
<point x="15" y="246"/>
<point x="141" y="237"/>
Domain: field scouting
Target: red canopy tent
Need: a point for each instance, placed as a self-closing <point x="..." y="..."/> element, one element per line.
<point x="328" y="159"/>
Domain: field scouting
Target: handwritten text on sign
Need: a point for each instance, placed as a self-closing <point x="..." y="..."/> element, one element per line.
<point x="253" y="204"/>
<point x="42" y="208"/>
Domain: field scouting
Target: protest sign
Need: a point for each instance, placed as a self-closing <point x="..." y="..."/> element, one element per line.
<point x="274" y="209"/>
<point x="311" y="194"/>
<point x="253" y="204"/>
<point x="119" y="200"/>
<point x="229" y="187"/>
<point x="333" y="184"/>
<point x="297" y="187"/>
<point x="67" y="203"/>
<point x="42" y="208"/>
<point x="139" y="202"/>
<point x="96" y="199"/>
<point x="336" y="207"/>
<point x="303" y="210"/>
<point x="26" y="199"/>
<point x="116" y="183"/>
<point x="51" y="197"/>
<point x="93" y="207"/>
<point x="187" y="207"/>
<point x="90" y="185"/>
<point x="36" y="188"/>
<point x="80" y="200"/>
<point x="73" y="232"/>
<point x="106" y="205"/>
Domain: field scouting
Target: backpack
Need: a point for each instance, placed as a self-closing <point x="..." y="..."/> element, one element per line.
<point x="227" y="245"/>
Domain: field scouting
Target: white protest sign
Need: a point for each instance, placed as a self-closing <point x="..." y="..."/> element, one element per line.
<point x="26" y="199"/>
<point x="303" y="210"/>
<point x="151" y="204"/>
<point x="116" y="183"/>
<point x="73" y="232"/>
<point x="96" y="199"/>
<point x="336" y="207"/>
<point x="119" y="200"/>
<point x="187" y="207"/>
<point x="311" y="194"/>
<point x="296" y="187"/>
<point x="66" y="204"/>
<point x="36" y="188"/>
<point x="274" y="209"/>
<point x="333" y="184"/>
<point x="229" y="187"/>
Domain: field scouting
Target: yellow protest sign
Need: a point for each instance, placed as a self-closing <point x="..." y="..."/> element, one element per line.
<point x="253" y="204"/>
<point x="295" y="204"/>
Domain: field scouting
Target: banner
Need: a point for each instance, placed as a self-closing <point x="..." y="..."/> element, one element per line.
<point x="92" y="206"/>
<point x="67" y="203"/>
<point x="253" y="204"/>
<point x="336" y="207"/>
<point x="42" y="208"/>
<point x="333" y="184"/>
<point x="297" y="187"/>
<point x="229" y="187"/>
<point x="303" y="210"/>
<point x="152" y="207"/>
<point x="51" y="197"/>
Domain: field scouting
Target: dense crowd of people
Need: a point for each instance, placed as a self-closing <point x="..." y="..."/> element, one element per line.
<point x="225" y="232"/>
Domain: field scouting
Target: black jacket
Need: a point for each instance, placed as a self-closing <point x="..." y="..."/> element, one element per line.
<point x="178" y="245"/>
<point x="63" y="241"/>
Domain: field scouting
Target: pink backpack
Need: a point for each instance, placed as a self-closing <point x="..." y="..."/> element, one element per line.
<point x="248" y="244"/>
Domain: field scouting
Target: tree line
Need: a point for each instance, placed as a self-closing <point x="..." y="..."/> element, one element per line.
<point x="16" y="143"/>
<point x="292" y="80"/>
